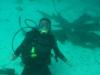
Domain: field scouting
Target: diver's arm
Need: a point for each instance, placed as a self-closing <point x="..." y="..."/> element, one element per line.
<point x="58" y="52"/>
<point x="19" y="50"/>
<point x="23" y="45"/>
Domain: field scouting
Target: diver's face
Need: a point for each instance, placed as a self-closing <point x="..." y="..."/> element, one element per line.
<point x="44" y="26"/>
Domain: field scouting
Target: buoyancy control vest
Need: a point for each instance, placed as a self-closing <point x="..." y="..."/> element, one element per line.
<point x="38" y="49"/>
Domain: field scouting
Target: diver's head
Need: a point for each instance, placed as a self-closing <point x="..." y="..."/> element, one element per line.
<point x="44" y="25"/>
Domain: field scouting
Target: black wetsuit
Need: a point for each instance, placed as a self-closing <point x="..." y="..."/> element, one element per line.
<point x="43" y="44"/>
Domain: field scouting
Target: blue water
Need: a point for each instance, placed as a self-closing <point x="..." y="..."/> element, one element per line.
<point x="81" y="60"/>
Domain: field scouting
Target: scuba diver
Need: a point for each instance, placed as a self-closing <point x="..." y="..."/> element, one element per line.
<point x="35" y="50"/>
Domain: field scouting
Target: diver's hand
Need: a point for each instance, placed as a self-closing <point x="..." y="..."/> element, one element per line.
<point x="67" y="62"/>
<point x="13" y="57"/>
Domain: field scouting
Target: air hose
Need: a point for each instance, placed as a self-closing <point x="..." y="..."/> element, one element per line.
<point x="23" y="29"/>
